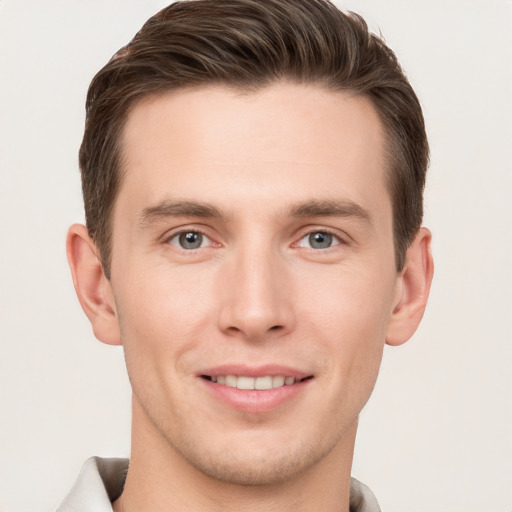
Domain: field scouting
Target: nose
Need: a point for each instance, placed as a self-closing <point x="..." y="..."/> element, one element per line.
<point x="256" y="294"/>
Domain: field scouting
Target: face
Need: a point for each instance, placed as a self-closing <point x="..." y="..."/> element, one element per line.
<point x="253" y="274"/>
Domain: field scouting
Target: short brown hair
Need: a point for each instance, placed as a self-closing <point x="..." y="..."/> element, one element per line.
<point x="250" y="44"/>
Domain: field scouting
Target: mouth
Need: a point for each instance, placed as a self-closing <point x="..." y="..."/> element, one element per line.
<point x="256" y="389"/>
<point x="261" y="383"/>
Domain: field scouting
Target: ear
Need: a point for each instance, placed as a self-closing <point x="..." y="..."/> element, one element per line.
<point x="93" y="289"/>
<point x="412" y="289"/>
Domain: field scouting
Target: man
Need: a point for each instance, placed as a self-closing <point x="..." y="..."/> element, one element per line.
<point x="252" y="173"/>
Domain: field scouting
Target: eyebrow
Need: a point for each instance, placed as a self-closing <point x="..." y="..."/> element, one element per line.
<point x="178" y="209"/>
<point x="313" y="208"/>
<point x="330" y="208"/>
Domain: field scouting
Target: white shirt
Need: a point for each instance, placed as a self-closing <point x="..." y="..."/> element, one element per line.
<point x="101" y="482"/>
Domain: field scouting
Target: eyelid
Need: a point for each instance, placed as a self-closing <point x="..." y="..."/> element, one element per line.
<point x="336" y="241"/>
<point x="341" y="237"/>
<point x="188" y="228"/>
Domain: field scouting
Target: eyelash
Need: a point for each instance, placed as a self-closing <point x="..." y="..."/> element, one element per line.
<point x="337" y="239"/>
<point x="176" y="234"/>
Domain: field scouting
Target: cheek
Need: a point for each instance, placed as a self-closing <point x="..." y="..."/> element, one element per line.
<point x="350" y="317"/>
<point x="161" y="316"/>
<point x="165" y="298"/>
<point x="352" y="305"/>
<point x="158" y="330"/>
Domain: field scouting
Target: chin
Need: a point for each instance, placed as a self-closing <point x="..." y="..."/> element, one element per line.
<point x="263" y="466"/>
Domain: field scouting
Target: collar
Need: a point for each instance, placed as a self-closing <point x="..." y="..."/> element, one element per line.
<point x="99" y="483"/>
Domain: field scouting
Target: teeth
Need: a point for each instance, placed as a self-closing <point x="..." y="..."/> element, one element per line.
<point x="263" y="383"/>
<point x="231" y="381"/>
<point x="245" y="382"/>
<point x="260" y="383"/>
<point x="278" y="381"/>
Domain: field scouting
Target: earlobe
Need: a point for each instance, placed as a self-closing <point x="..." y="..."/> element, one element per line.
<point x="93" y="289"/>
<point x="412" y="290"/>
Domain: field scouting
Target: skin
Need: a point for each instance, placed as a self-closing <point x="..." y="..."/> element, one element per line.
<point x="272" y="168"/>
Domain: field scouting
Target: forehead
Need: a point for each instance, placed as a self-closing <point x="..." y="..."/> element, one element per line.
<point x="287" y="141"/>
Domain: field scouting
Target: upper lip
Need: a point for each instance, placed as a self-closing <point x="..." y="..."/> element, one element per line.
<point x="254" y="371"/>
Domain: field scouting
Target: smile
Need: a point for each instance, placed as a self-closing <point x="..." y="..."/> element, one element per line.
<point x="256" y="389"/>
<point x="254" y="383"/>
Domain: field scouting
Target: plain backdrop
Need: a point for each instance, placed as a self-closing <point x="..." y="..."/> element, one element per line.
<point x="437" y="434"/>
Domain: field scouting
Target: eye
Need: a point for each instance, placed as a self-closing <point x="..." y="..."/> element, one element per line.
<point x="319" y="240"/>
<point x="190" y="240"/>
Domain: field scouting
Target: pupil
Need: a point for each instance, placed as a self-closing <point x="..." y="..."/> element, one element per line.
<point x="191" y="240"/>
<point x="320" y="240"/>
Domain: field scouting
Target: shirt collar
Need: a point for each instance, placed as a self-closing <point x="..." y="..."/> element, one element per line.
<point x="99" y="483"/>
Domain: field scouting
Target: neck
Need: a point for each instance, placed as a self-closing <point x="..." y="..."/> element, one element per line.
<point x="161" y="479"/>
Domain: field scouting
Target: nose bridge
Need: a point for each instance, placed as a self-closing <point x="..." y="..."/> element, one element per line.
<point x="257" y="296"/>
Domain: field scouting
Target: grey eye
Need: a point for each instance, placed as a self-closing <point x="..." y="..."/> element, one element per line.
<point x="190" y="240"/>
<point x="320" y="240"/>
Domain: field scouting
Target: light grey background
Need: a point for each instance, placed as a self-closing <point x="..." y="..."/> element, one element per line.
<point x="437" y="434"/>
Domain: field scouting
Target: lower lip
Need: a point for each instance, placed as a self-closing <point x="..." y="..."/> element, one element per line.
<point x="256" y="401"/>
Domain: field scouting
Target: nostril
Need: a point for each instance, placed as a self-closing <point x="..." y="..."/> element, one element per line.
<point x="275" y="327"/>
